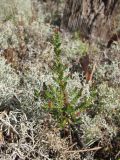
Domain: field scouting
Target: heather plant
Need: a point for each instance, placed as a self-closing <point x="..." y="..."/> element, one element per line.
<point x="63" y="106"/>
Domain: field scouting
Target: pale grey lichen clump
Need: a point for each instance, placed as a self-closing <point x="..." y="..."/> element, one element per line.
<point x="9" y="80"/>
<point x="8" y="33"/>
<point x="110" y="72"/>
<point x="92" y="129"/>
<point x="74" y="46"/>
<point x="14" y="8"/>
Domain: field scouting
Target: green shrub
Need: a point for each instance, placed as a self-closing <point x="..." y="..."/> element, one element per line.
<point x="64" y="106"/>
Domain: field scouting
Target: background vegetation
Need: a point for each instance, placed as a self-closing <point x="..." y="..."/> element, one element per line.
<point x="59" y="92"/>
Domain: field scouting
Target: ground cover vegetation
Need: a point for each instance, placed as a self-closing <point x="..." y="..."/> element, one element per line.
<point x="59" y="93"/>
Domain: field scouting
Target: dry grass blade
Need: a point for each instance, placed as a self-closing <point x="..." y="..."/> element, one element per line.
<point x="84" y="150"/>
